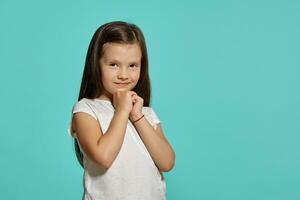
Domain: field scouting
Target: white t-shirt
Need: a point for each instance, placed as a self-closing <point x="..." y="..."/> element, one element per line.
<point x="133" y="175"/>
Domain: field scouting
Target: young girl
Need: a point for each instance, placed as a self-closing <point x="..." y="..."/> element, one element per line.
<point x="118" y="138"/>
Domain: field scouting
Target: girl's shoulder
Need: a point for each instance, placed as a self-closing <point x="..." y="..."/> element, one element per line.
<point x="83" y="101"/>
<point x="93" y="102"/>
<point x="85" y="105"/>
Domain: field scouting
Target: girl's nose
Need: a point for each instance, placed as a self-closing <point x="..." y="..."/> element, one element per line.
<point x="123" y="75"/>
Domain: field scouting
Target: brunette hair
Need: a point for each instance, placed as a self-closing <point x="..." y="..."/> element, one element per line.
<point x="91" y="83"/>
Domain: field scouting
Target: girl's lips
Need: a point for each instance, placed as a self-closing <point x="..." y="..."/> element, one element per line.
<point x="122" y="84"/>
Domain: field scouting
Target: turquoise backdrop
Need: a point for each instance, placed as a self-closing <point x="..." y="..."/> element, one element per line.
<point x="225" y="80"/>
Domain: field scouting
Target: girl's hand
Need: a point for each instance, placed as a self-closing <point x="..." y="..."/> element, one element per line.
<point x="136" y="111"/>
<point x="122" y="101"/>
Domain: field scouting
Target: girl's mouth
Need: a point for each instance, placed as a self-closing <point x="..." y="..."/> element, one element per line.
<point x="122" y="84"/>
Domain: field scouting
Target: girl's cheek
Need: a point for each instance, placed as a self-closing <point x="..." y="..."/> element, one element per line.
<point x="137" y="76"/>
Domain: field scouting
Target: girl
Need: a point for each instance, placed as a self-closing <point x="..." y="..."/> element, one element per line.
<point x="118" y="138"/>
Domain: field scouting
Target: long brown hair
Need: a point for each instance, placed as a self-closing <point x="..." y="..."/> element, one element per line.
<point x="91" y="83"/>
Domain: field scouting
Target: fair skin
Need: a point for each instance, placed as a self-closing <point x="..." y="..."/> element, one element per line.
<point x="120" y="65"/>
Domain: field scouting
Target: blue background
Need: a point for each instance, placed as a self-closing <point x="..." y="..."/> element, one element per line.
<point x="225" y="82"/>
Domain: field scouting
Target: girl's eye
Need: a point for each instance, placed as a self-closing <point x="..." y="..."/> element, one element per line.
<point x="112" y="64"/>
<point x="133" y="65"/>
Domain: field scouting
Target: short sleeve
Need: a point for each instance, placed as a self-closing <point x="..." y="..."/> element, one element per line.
<point x="154" y="117"/>
<point x="81" y="106"/>
<point x="151" y="116"/>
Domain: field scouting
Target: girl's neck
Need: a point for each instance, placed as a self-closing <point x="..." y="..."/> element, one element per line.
<point x="105" y="97"/>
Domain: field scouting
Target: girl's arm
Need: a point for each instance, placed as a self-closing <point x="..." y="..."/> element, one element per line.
<point x="101" y="148"/>
<point x="156" y="144"/>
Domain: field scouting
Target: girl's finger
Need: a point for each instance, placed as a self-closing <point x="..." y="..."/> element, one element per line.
<point x="133" y="92"/>
<point x="134" y="99"/>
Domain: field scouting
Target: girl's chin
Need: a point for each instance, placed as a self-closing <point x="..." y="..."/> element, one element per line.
<point x="122" y="89"/>
<point x="111" y="92"/>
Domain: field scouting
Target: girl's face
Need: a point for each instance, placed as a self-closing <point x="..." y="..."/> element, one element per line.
<point x="120" y="66"/>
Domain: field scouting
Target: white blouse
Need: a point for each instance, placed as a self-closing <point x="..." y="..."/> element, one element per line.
<point x="133" y="175"/>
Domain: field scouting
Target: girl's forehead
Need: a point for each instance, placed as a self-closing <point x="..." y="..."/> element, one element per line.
<point x="118" y="51"/>
<point x="120" y="47"/>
